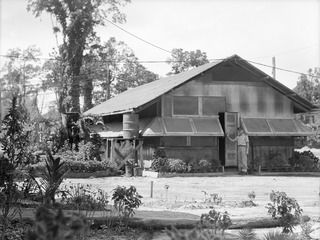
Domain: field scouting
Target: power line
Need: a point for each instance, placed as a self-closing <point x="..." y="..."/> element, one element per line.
<point x="101" y="61"/>
<point x="141" y="39"/>
<point x="282" y="69"/>
<point x="168" y="61"/>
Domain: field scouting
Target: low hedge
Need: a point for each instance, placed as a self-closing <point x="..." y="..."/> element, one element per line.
<point x="305" y="161"/>
<point x="77" y="166"/>
<point x="172" y="165"/>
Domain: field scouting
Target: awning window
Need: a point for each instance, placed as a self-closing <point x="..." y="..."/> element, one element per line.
<point x="283" y="125"/>
<point x="275" y="127"/>
<point x="177" y="125"/>
<point x="183" y="126"/>
<point x="256" y="125"/>
<point x="208" y="126"/>
<point x="155" y="128"/>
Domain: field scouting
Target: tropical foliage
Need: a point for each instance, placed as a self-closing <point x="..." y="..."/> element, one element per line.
<point x="285" y="209"/>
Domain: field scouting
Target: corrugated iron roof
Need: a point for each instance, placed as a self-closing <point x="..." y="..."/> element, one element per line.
<point x="136" y="97"/>
<point x="133" y="98"/>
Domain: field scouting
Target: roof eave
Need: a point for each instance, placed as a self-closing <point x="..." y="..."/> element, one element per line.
<point x="85" y="114"/>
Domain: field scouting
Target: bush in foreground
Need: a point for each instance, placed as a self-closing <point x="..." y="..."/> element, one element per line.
<point x="284" y="208"/>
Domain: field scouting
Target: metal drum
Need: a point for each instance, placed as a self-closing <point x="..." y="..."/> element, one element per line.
<point x="130" y="125"/>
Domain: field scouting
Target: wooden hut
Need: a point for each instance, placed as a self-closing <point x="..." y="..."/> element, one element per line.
<point x="189" y="114"/>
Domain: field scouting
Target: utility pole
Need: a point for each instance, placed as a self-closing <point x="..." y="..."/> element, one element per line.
<point x="274" y="67"/>
<point x="0" y="103"/>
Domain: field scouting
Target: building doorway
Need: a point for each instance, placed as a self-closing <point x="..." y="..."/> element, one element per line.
<point x="231" y="148"/>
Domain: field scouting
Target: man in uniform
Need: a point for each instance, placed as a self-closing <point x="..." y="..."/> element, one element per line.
<point x="243" y="150"/>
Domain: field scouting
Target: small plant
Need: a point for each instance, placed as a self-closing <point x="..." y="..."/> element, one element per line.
<point x="205" y="165"/>
<point x="284" y="208"/>
<point x="55" y="225"/>
<point x="250" y="202"/>
<point x="52" y="176"/>
<point x="224" y="221"/>
<point x="211" y="219"/>
<point x="159" y="161"/>
<point x="177" y="165"/>
<point x="247" y="234"/>
<point x="306" y="231"/>
<point x="126" y="200"/>
<point x="252" y="196"/>
<point x="212" y="198"/>
<point x="84" y="198"/>
<point x="279" y="236"/>
<point x="216" y="220"/>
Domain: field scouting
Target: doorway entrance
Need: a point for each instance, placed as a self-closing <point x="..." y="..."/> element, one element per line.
<point x="230" y="148"/>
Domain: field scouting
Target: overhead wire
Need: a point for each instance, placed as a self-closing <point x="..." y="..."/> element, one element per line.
<point x="171" y="61"/>
<point x="141" y="39"/>
<point x="282" y="69"/>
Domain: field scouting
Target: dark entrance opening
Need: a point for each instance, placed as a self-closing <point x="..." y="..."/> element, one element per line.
<point x="222" y="146"/>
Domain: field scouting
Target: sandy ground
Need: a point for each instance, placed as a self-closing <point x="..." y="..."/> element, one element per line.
<point x="184" y="192"/>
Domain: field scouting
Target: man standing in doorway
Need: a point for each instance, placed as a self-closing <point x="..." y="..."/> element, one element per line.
<point x="243" y="150"/>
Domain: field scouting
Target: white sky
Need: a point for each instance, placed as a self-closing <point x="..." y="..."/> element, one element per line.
<point x="254" y="29"/>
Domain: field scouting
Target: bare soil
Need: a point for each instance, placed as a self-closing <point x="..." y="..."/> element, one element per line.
<point x="187" y="194"/>
<point x="184" y="197"/>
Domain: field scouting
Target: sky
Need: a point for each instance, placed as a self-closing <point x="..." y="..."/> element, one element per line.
<point x="255" y="30"/>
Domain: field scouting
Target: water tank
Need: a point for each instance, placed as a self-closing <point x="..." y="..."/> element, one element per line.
<point x="130" y="125"/>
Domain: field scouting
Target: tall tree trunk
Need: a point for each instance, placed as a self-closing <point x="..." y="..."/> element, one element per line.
<point x="75" y="55"/>
<point x="87" y="92"/>
<point x="75" y="93"/>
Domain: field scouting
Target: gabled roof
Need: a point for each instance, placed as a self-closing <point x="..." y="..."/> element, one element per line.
<point x="134" y="98"/>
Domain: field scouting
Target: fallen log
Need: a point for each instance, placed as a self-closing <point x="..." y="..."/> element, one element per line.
<point x="159" y="224"/>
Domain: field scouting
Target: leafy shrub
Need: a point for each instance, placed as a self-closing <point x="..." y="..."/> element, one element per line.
<point x="216" y="220"/>
<point x="205" y="165"/>
<point x="159" y="161"/>
<point x="284" y="208"/>
<point x="276" y="160"/>
<point x="126" y="200"/>
<point x="15" y="231"/>
<point x="54" y="225"/>
<point x="305" y="161"/>
<point x="77" y="166"/>
<point x="84" y="197"/>
<point x="176" y="165"/>
<point x="215" y="163"/>
<point x="86" y="166"/>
